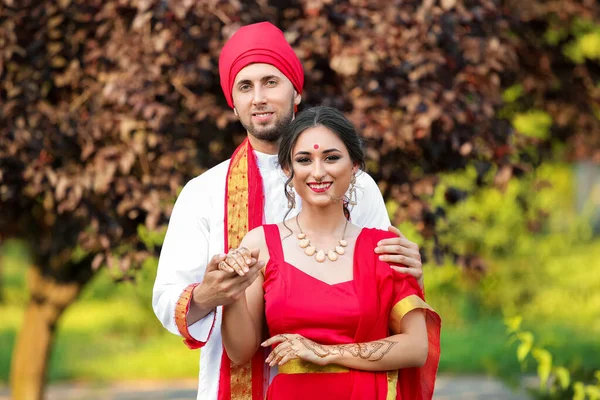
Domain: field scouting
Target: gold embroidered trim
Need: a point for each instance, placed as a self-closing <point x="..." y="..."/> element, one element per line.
<point x="392" y="379"/>
<point x="305" y="367"/>
<point x="181" y="310"/>
<point x="237" y="200"/>
<point x="241" y="381"/>
<point x="408" y="304"/>
<point x="237" y="221"/>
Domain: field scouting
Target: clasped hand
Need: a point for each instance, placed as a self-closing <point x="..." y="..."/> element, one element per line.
<point x="227" y="278"/>
<point x="239" y="261"/>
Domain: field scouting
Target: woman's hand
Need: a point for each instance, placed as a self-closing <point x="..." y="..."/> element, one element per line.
<point x="294" y="346"/>
<point x="239" y="261"/>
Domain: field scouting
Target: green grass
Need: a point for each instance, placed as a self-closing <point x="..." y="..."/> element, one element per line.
<point x="14" y="259"/>
<point x="109" y="333"/>
<point x="105" y="340"/>
<point x="7" y="340"/>
<point x="477" y="347"/>
<point x="110" y="340"/>
<point x="481" y="346"/>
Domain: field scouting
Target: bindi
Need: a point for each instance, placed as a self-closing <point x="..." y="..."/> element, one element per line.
<point x="316" y="146"/>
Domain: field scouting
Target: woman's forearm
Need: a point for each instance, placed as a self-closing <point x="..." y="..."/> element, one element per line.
<point x="394" y="352"/>
<point x="240" y="338"/>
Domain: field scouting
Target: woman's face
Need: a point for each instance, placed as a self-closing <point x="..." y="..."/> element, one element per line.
<point x="322" y="167"/>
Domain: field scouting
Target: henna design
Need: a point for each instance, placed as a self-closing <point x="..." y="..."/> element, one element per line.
<point x="372" y="351"/>
<point x="281" y="354"/>
<point x="316" y="348"/>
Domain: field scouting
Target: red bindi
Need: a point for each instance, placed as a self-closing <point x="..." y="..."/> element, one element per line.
<point x="316" y="146"/>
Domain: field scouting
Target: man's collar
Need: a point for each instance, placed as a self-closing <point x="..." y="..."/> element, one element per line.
<point x="266" y="161"/>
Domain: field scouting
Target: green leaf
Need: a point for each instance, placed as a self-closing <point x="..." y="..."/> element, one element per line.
<point x="525" y="337"/>
<point x="578" y="391"/>
<point x="533" y="123"/>
<point x="512" y="93"/>
<point x="392" y="207"/>
<point x="574" y="52"/>
<point x="590" y="45"/>
<point x="581" y="26"/>
<point x="150" y="263"/>
<point x="524" y="348"/>
<point x="144" y="236"/>
<point x="544" y="359"/>
<point x="555" y="34"/>
<point x="151" y="238"/>
<point x="563" y="376"/>
<point x="513" y="324"/>
<point x="410" y="230"/>
<point x="78" y="254"/>
<point x="522" y="351"/>
<point x="593" y="392"/>
<point x="157" y="237"/>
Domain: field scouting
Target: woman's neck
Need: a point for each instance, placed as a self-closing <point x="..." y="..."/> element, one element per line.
<point x="322" y="221"/>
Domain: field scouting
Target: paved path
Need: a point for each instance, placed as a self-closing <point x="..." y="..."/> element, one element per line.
<point x="474" y="388"/>
<point x="447" y="388"/>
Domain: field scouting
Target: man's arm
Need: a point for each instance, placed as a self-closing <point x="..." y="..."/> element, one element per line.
<point x="183" y="260"/>
<point x="370" y="211"/>
<point x="189" y="285"/>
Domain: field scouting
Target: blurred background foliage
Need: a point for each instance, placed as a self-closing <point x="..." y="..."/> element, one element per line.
<point x="482" y="121"/>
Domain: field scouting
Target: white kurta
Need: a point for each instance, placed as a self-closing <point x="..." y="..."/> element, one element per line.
<point x="196" y="233"/>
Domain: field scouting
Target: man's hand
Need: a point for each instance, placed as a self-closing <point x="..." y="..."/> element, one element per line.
<point x="400" y="250"/>
<point x="219" y="288"/>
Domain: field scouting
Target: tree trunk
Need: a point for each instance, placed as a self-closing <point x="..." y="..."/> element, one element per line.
<point x="48" y="300"/>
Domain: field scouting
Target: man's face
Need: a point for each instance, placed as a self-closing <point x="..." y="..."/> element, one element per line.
<point x="264" y="100"/>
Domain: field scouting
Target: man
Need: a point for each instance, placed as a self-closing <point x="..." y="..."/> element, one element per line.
<point x="262" y="80"/>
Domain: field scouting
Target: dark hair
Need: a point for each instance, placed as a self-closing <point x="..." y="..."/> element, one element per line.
<point x="329" y="118"/>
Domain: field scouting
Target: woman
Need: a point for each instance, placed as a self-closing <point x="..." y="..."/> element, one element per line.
<point x="342" y="323"/>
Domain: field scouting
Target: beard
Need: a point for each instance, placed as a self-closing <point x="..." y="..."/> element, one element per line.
<point x="270" y="133"/>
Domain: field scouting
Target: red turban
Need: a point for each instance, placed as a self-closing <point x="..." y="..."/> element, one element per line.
<point x="258" y="43"/>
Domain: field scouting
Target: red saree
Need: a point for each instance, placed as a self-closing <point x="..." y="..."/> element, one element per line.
<point x="349" y="312"/>
<point x="381" y="288"/>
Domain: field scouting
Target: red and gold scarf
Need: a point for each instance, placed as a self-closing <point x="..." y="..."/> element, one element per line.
<point x="244" y="205"/>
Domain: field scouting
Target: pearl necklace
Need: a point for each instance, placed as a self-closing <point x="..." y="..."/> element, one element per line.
<point x="311" y="250"/>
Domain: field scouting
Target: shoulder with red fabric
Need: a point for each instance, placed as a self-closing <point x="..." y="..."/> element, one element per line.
<point x="408" y="282"/>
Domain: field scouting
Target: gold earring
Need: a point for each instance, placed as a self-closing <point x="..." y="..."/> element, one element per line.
<point x="291" y="196"/>
<point x="352" y="191"/>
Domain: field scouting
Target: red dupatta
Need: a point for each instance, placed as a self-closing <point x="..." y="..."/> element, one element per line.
<point x="244" y="206"/>
<point x="374" y="284"/>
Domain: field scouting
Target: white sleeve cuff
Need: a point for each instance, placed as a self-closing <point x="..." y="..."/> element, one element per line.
<point x="201" y="329"/>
